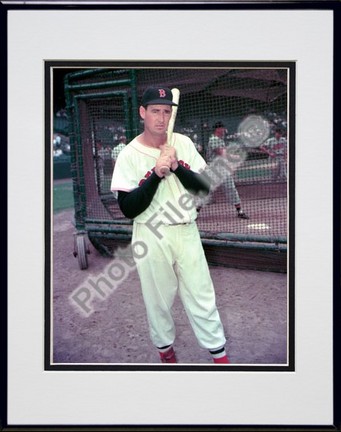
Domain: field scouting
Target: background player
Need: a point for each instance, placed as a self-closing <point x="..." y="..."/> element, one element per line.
<point x="118" y="148"/>
<point x="164" y="214"/>
<point x="217" y="147"/>
<point x="276" y="148"/>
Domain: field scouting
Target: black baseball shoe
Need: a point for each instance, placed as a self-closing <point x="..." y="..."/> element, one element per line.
<point x="242" y="215"/>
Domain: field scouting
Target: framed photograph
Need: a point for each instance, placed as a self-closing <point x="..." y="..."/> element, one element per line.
<point x="82" y="350"/>
<point x="255" y="101"/>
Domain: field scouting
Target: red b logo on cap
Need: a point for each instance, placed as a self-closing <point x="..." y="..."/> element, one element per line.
<point x="162" y="93"/>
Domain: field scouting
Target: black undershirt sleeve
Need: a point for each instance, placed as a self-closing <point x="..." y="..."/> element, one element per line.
<point x="193" y="182"/>
<point x="138" y="200"/>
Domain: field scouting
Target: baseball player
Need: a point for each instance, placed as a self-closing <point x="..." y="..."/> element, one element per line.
<point x="164" y="213"/>
<point x="276" y="148"/>
<point x="216" y="147"/>
<point x="118" y="148"/>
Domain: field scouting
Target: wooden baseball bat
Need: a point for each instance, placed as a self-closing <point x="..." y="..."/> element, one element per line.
<point x="176" y="96"/>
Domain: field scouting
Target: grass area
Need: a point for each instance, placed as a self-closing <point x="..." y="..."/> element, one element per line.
<point x="253" y="170"/>
<point x="253" y="173"/>
<point x="62" y="195"/>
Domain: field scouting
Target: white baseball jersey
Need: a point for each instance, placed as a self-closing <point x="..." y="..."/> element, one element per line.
<point x="278" y="147"/>
<point x="172" y="202"/>
<point x="117" y="150"/>
<point x="214" y="143"/>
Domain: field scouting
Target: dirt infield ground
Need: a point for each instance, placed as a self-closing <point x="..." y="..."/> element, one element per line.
<point x="252" y="304"/>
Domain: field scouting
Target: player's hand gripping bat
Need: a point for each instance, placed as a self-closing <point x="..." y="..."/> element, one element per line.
<point x="165" y="170"/>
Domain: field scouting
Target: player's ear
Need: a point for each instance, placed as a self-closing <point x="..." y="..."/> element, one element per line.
<point x="142" y="112"/>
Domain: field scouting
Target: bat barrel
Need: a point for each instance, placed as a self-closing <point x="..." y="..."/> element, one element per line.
<point x="176" y="96"/>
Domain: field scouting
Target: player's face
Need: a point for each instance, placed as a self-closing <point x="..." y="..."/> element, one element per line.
<point x="156" y="118"/>
<point x="220" y="132"/>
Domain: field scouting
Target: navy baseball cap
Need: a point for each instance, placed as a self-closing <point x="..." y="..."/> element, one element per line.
<point x="157" y="96"/>
<point x="218" y="125"/>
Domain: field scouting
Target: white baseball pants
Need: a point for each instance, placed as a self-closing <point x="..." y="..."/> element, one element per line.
<point x="176" y="263"/>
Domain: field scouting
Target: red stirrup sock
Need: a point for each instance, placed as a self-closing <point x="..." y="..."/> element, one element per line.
<point x="219" y="356"/>
<point x="223" y="359"/>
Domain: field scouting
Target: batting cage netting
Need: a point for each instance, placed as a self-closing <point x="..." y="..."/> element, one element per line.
<point x="249" y="106"/>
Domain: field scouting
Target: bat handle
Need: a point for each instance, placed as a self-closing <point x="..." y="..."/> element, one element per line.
<point x="165" y="170"/>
